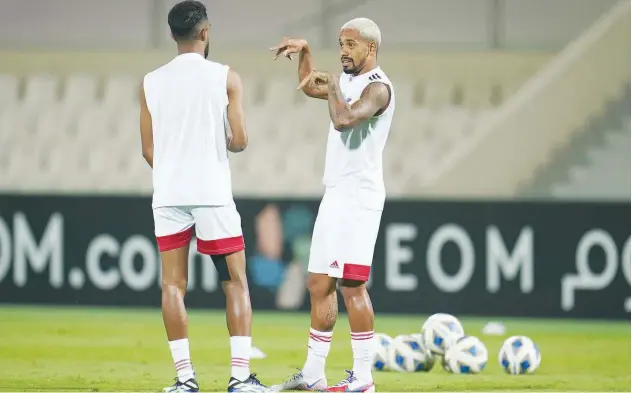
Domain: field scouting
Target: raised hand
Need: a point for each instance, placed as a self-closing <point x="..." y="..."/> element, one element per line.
<point x="288" y="47"/>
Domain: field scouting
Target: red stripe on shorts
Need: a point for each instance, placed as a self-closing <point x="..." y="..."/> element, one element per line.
<point x="221" y="246"/>
<point x="355" y="272"/>
<point x="177" y="240"/>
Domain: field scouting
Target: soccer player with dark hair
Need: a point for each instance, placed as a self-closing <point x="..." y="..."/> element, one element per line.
<point x="186" y="106"/>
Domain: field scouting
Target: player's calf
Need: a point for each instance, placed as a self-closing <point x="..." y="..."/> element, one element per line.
<point x="324" y="313"/>
<point x="231" y="269"/>
<point x="174" y="283"/>
<point x="361" y="321"/>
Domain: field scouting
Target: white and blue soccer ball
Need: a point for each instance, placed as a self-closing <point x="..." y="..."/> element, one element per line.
<point x="468" y="355"/>
<point x="519" y="355"/>
<point x="381" y="351"/>
<point x="440" y="331"/>
<point x="408" y="355"/>
<point x="417" y="337"/>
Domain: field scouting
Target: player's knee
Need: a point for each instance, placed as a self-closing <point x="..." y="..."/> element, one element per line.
<point x="231" y="268"/>
<point x="174" y="284"/>
<point x="352" y="288"/>
<point x="320" y="285"/>
<point x="234" y="279"/>
<point x="236" y="288"/>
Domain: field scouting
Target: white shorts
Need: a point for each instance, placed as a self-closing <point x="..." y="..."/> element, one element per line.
<point x="217" y="228"/>
<point x="344" y="238"/>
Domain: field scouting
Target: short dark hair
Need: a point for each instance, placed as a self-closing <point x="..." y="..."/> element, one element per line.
<point x="184" y="19"/>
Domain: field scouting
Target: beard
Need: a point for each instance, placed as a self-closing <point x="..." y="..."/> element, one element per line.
<point x="206" y="50"/>
<point x="353" y="68"/>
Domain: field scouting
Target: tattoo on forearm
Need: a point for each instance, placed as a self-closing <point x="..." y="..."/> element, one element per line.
<point x="334" y="90"/>
<point x="337" y="103"/>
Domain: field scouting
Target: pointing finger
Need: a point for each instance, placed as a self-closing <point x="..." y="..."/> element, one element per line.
<point x="288" y="53"/>
<point x="304" y="82"/>
<point x="278" y="52"/>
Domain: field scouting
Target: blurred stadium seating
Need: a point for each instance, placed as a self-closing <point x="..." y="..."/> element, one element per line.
<point x="78" y="131"/>
<point x="68" y="122"/>
<point x="596" y="164"/>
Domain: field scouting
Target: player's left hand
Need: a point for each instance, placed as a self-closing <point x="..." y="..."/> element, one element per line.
<point x="316" y="78"/>
<point x="288" y="47"/>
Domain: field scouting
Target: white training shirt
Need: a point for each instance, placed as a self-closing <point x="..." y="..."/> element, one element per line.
<point x="353" y="163"/>
<point x="187" y="99"/>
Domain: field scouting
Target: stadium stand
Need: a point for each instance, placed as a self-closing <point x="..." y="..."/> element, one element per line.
<point x="545" y="115"/>
<point x="69" y="120"/>
<point x="596" y="164"/>
<point x="66" y="129"/>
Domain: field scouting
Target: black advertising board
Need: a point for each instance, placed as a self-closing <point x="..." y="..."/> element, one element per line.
<point x="530" y="259"/>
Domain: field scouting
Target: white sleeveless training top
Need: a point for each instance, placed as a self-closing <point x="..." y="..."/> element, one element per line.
<point x="187" y="100"/>
<point x="353" y="163"/>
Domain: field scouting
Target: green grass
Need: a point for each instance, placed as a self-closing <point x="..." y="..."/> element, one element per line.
<point x="97" y="349"/>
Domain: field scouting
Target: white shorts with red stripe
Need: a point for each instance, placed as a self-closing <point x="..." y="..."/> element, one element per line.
<point x="344" y="238"/>
<point x="217" y="228"/>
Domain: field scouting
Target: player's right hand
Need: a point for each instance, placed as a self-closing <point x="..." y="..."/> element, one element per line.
<point x="315" y="79"/>
<point x="288" y="47"/>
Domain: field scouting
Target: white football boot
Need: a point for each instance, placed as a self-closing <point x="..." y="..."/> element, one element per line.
<point x="299" y="382"/>
<point x="352" y="384"/>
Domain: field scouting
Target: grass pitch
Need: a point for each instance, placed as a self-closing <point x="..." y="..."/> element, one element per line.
<point x="107" y="350"/>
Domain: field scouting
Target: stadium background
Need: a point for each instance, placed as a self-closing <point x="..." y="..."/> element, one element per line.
<point x="507" y="172"/>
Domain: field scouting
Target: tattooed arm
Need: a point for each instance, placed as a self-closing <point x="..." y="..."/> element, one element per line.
<point x="374" y="99"/>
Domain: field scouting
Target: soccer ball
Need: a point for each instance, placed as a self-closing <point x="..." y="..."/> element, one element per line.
<point x="467" y="355"/>
<point x="519" y="355"/>
<point x="417" y="337"/>
<point x="440" y="331"/>
<point x="383" y="344"/>
<point x="407" y="355"/>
